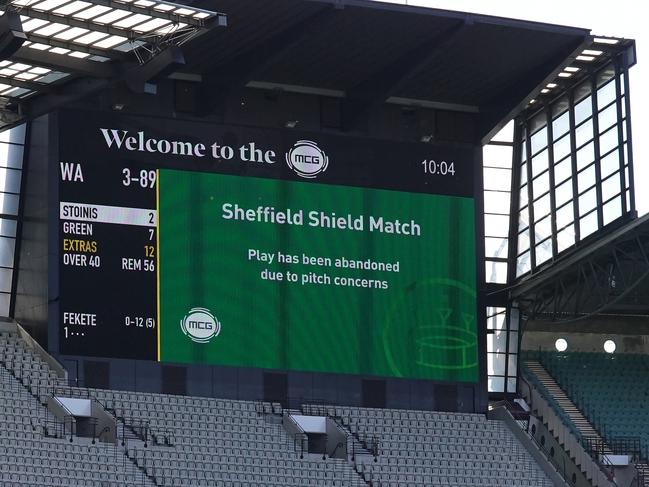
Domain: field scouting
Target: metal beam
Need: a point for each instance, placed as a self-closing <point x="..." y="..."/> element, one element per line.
<point x="65" y="94"/>
<point x="61" y="62"/>
<point x="612" y="275"/>
<point x="305" y="90"/>
<point x="90" y="25"/>
<point x="28" y="85"/>
<point x="436" y="105"/>
<point x="161" y="65"/>
<point x="76" y="89"/>
<point x="218" y="19"/>
<point x="73" y="22"/>
<point x="11" y="34"/>
<point x="534" y="282"/>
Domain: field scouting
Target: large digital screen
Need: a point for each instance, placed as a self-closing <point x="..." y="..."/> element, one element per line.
<point x="203" y="244"/>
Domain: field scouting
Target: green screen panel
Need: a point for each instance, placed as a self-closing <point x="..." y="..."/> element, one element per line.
<point x="408" y="309"/>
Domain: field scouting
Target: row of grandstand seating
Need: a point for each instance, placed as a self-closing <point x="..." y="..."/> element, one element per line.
<point x="611" y="389"/>
<point x="474" y="438"/>
<point x="30" y="459"/>
<point x="231" y="444"/>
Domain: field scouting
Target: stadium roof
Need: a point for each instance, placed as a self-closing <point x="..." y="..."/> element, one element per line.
<point x="610" y="274"/>
<point x="362" y="51"/>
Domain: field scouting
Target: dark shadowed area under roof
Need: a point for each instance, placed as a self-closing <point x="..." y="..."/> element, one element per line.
<point x="363" y="51"/>
<point x="448" y="56"/>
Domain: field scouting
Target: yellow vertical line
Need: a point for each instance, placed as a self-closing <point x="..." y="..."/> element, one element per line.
<point x="157" y="235"/>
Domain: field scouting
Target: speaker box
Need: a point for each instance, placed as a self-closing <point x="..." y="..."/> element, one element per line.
<point x="373" y="393"/>
<point x="96" y="374"/>
<point x="174" y="380"/>
<point x="276" y="387"/>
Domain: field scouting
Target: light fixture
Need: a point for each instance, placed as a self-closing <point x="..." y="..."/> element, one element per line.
<point x="609" y="346"/>
<point x="122" y="25"/>
<point x="585" y="58"/>
<point x="21" y="79"/>
<point x="606" y="40"/>
<point x="561" y="345"/>
<point x="291" y="124"/>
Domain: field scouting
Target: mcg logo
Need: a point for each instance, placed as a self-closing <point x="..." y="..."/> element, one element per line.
<point x="200" y="325"/>
<point x="307" y="159"/>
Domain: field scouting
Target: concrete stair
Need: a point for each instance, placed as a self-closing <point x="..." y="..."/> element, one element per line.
<point x="572" y="411"/>
<point x="578" y="419"/>
<point x="575" y="415"/>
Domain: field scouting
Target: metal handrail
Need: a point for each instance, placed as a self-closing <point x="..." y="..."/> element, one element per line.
<point x="569" y="425"/>
<point x="301" y="437"/>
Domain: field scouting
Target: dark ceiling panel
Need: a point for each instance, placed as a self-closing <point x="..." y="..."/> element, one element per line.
<point x="486" y="62"/>
<point x="250" y="25"/>
<point x="378" y="50"/>
<point x="355" y="45"/>
<point x="343" y="45"/>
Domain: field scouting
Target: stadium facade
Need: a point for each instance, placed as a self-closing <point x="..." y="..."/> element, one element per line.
<point x="345" y="204"/>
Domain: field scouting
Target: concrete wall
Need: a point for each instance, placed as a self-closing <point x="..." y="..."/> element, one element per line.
<point x="336" y="436"/>
<point x="545" y="419"/>
<point x="106" y="428"/>
<point x="33" y="286"/>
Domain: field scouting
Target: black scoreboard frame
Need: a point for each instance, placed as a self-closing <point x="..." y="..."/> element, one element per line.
<point x="146" y="374"/>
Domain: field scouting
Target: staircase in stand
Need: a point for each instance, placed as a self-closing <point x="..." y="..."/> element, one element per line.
<point x="274" y="413"/>
<point x="578" y="419"/>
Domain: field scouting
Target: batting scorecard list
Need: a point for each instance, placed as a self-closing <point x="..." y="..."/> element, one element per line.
<point x="108" y="253"/>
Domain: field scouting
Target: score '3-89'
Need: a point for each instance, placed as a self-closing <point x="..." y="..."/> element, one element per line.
<point x="146" y="178"/>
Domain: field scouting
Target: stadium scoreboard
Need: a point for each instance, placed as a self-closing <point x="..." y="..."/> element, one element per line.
<point x="198" y="243"/>
<point x="108" y="246"/>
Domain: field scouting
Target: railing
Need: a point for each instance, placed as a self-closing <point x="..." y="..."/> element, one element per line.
<point x="266" y="408"/>
<point x="369" y="442"/>
<point x="139" y="463"/>
<point x="162" y="438"/>
<point x="630" y="445"/>
<point x="340" y="444"/>
<point x="347" y="473"/>
<point x="299" y="440"/>
<point x="568" y="424"/>
<point x="26" y="380"/>
<point x="138" y="430"/>
<point x="54" y="364"/>
<point x="57" y="428"/>
<point x="606" y="438"/>
<point x="574" y="395"/>
<point x="558" y="410"/>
